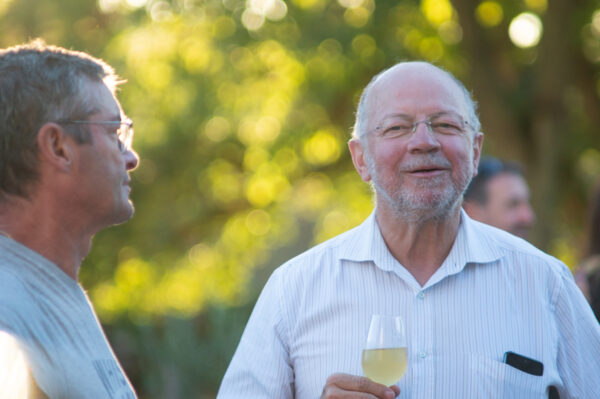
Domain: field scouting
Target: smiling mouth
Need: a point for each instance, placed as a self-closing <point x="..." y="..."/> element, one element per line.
<point x="425" y="170"/>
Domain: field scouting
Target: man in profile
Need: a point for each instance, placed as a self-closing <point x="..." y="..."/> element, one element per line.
<point x="499" y="196"/>
<point x="65" y="154"/>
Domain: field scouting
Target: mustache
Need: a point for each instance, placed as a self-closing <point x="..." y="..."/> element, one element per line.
<point x="432" y="161"/>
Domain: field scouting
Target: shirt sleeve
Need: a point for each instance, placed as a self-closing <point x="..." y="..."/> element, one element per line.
<point x="579" y="342"/>
<point x="261" y="366"/>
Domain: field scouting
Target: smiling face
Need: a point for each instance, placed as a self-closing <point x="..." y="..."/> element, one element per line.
<point x="422" y="174"/>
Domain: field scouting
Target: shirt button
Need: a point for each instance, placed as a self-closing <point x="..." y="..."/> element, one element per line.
<point x="421" y="295"/>
<point x="422" y="355"/>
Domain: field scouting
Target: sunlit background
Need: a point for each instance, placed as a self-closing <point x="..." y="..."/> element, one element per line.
<point x="242" y="112"/>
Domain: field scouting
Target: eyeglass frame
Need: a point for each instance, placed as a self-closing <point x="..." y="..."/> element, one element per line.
<point x="124" y="136"/>
<point x="427" y="121"/>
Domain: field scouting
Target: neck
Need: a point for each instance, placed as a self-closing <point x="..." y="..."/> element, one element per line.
<point x="420" y="246"/>
<point x="44" y="230"/>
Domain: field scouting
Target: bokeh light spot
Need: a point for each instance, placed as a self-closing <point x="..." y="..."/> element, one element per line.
<point x="276" y="10"/>
<point x="268" y="128"/>
<point x="107" y="6"/>
<point x="436" y="11"/>
<point x="265" y="186"/>
<point x="450" y="32"/>
<point x="223" y="27"/>
<point x="356" y="17"/>
<point x="310" y="4"/>
<point x="431" y="48"/>
<point x="225" y="181"/>
<point x="588" y="166"/>
<point x="350" y="3"/>
<point x="596" y="23"/>
<point x="160" y="11"/>
<point x="252" y="20"/>
<point x="217" y="128"/>
<point x="136" y="3"/>
<point x="489" y="13"/>
<point x="322" y="148"/>
<point x="525" y="30"/>
<point x="197" y="55"/>
<point x="364" y="45"/>
<point x="258" y="222"/>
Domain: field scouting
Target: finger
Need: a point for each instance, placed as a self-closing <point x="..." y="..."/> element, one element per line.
<point x="356" y="383"/>
<point x="334" y="392"/>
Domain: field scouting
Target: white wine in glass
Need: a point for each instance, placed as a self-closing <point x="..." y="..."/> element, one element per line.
<point x="384" y="357"/>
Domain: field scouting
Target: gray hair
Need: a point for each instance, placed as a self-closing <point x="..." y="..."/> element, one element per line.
<point x="360" y="125"/>
<point x="40" y="83"/>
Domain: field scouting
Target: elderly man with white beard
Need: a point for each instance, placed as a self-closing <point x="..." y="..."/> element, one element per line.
<point x="486" y="315"/>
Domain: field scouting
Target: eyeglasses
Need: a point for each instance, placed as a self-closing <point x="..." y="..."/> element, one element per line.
<point x="124" y="131"/>
<point x="447" y="123"/>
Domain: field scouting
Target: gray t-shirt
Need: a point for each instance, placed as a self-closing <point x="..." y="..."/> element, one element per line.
<point x="50" y="316"/>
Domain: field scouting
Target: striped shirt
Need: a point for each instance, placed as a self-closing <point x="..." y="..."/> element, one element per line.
<point x="493" y="293"/>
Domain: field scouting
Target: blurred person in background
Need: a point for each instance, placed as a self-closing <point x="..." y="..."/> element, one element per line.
<point x="587" y="273"/>
<point x="65" y="154"/>
<point x="486" y="313"/>
<point x="499" y="196"/>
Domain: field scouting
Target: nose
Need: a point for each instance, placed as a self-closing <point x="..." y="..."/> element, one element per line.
<point x="422" y="138"/>
<point x="132" y="159"/>
<point x="527" y="215"/>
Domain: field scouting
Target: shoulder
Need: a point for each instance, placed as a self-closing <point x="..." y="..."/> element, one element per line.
<point x="16" y="301"/>
<point x="312" y="267"/>
<point x="12" y="285"/>
<point x="522" y="259"/>
<point x="511" y="245"/>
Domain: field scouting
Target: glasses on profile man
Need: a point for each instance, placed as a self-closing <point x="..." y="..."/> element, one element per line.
<point x="124" y="131"/>
<point x="444" y="123"/>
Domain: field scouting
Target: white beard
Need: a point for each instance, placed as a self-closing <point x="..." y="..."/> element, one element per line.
<point x="415" y="207"/>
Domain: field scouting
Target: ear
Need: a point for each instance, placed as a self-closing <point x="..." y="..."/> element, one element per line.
<point x="56" y="146"/>
<point x="358" y="153"/>
<point x="477" y="145"/>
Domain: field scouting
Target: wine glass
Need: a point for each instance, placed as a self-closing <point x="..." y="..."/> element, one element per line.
<point x="384" y="356"/>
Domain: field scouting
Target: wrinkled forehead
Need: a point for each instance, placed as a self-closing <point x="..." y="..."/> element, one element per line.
<point x="415" y="89"/>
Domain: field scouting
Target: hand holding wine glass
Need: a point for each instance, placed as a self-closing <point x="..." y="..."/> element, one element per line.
<point x="341" y="385"/>
<point x="384" y="357"/>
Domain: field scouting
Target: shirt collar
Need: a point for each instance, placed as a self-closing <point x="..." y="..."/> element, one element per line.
<point x="472" y="245"/>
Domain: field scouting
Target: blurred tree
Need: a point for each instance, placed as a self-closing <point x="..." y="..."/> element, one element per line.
<point x="242" y="111"/>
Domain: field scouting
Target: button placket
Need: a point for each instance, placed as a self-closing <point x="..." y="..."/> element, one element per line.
<point x="422" y="344"/>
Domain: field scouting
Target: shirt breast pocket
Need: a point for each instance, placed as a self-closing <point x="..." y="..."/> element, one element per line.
<point x="495" y="379"/>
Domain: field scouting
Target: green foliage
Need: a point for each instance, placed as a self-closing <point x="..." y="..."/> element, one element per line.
<point x="242" y="117"/>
